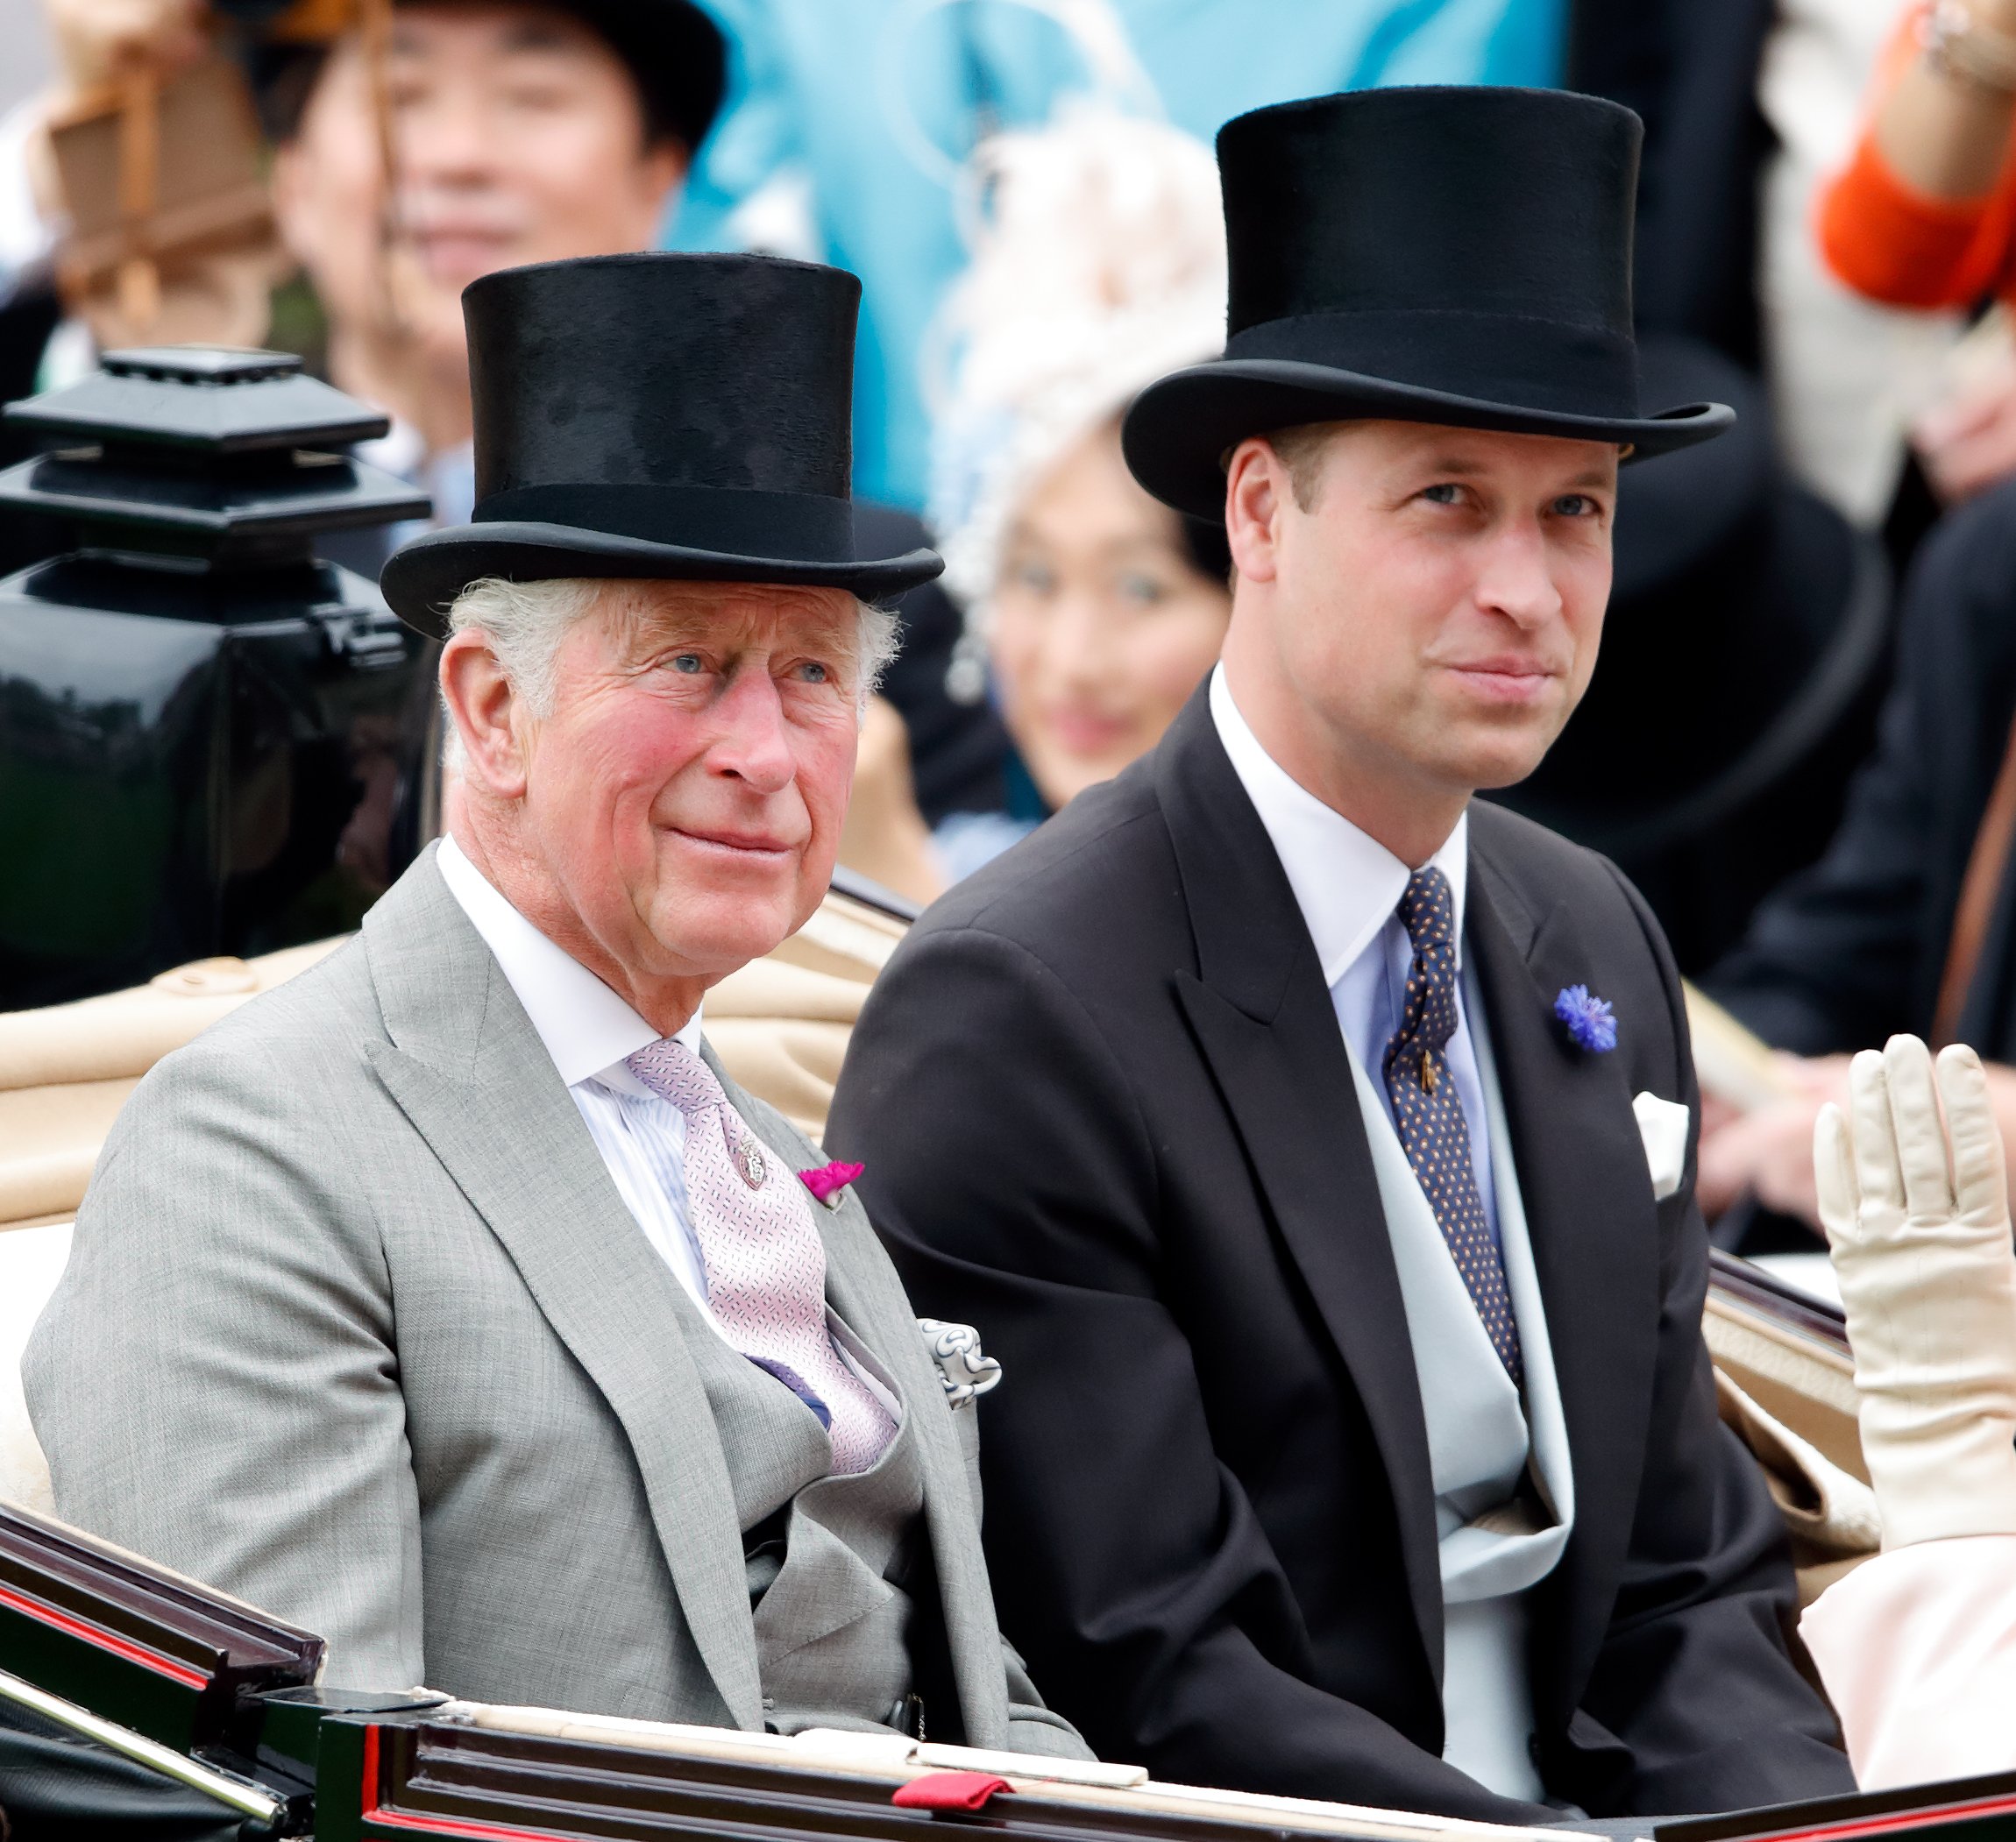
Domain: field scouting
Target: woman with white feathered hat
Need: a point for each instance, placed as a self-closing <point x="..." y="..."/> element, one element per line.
<point x="1093" y="611"/>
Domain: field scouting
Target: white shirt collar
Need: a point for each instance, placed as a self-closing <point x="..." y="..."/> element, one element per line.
<point x="1347" y="883"/>
<point x="586" y="1028"/>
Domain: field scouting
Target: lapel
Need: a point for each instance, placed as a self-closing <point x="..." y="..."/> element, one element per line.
<point x="1262" y="1018"/>
<point x="469" y="1072"/>
<point x="862" y="1287"/>
<point x="1593" y="1230"/>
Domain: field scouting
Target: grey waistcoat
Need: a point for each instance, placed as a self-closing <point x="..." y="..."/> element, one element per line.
<point x="833" y="1618"/>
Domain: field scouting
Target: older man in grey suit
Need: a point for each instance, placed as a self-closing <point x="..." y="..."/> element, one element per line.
<point x="450" y="1301"/>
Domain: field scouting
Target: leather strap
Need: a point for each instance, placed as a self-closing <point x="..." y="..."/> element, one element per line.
<point x="1979" y="890"/>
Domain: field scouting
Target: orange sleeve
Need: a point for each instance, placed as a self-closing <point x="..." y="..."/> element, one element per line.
<point x="1892" y="243"/>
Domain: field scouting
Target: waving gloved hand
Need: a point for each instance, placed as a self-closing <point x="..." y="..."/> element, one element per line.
<point x="1917" y="1216"/>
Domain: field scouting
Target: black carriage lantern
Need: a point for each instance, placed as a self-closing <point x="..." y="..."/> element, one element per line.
<point x="211" y="740"/>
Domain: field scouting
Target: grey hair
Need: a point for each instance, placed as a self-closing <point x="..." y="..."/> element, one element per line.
<point x="526" y="622"/>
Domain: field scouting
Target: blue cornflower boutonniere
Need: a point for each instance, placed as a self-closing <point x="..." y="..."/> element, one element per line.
<point x="1589" y="1021"/>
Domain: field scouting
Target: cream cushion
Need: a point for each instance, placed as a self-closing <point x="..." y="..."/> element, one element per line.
<point x="32" y="1260"/>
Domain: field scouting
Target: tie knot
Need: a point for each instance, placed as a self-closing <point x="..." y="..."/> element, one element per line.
<point x="1427" y="910"/>
<point x="674" y="1073"/>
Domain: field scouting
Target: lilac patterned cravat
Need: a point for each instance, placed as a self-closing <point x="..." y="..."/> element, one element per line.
<point x="766" y="1263"/>
<point x="1428" y="1111"/>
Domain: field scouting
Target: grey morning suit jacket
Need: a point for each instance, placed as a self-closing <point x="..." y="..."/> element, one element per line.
<point x="357" y="1327"/>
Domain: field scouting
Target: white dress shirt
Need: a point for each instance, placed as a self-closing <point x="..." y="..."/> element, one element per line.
<point x="1348" y="887"/>
<point x="589" y="1030"/>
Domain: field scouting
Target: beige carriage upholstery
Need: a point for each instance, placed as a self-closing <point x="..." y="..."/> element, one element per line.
<point x="781" y="1026"/>
<point x="66" y="1070"/>
<point x="1789" y="1395"/>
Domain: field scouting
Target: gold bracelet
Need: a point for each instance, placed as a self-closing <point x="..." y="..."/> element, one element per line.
<point x="1958" y="46"/>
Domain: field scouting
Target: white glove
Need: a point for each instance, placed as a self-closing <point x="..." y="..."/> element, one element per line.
<point x="1918" y="1220"/>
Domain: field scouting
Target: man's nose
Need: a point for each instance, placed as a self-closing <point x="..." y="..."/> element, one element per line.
<point x="752" y="742"/>
<point x="1517" y="579"/>
<point x="1077" y="639"/>
<point x="452" y="137"/>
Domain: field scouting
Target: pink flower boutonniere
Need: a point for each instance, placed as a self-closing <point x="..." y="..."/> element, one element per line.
<point x="829" y="1180"/>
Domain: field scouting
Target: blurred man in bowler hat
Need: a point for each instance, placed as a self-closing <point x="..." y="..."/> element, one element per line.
<point x="524" y="133"/>
<point x="517" y="132"/>
<point x="1314" y="1143"/>
<point x="470" y="1315"/>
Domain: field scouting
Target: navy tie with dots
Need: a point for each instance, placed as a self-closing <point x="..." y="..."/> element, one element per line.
<point x="1428" y="1111"/>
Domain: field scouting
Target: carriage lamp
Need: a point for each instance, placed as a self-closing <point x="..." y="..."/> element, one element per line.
<point x="212" y="741"/>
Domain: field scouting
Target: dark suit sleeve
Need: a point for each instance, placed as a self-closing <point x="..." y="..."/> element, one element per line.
<point x="1828" y="963"/>
<point x="1694" y="1675"/>
<point x="1852" y="950"/>
<point x="1011" y="1173"/>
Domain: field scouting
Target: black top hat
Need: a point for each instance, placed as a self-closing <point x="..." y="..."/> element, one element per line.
<point x="666" y="416"/>
<point x="1433" y="255"/>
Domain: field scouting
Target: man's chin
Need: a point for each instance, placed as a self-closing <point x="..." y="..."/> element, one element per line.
<point x="1504" y="762"/>
<point x="721" y="935"/>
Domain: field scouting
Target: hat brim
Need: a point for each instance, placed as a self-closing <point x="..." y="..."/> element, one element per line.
<point x="1179" y="428"/>
<point x="421" y="578"/>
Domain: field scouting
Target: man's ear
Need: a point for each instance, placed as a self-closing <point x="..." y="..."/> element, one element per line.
<point x="483" y="707"/>
<point x="660" y="174"/>
<point x="1258" y="493"/>
<point x="666" y="165"/>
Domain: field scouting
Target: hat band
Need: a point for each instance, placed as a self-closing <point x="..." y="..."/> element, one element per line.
<point x="1531" y="364"/>
<point x="734" y="520"/>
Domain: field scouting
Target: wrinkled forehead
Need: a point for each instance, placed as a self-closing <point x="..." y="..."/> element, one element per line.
<point x="649" y="613"/>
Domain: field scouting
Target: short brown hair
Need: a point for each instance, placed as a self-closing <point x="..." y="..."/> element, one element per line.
<point x="1302" y="450"/>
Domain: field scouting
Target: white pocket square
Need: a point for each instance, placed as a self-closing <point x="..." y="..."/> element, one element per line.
<point x="964" y="1372"/>
<point x="1662" y="1129"/>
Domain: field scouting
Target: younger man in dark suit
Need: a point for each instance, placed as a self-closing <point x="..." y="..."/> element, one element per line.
<point x="1313" y="1146"/>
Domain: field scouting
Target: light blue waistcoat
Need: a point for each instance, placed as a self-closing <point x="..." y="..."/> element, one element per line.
<point x="1494" y="1545"/>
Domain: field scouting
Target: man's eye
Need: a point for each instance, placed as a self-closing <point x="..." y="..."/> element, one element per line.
<point x="815" y="673"/>
<point x="538" y="96"/>
<point x="1446" y="493"/>
<point x="1033" y="578"/>
<point x="687" y="662"/>
<point x="1575" y="504"/>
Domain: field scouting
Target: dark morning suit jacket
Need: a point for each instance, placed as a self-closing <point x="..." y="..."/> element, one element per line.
<point x="1107" y="1116"/>
<point x="1853" y="950"/>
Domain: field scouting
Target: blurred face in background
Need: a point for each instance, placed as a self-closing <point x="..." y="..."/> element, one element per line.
<point x="520" y="137"/>
<point x="1102" y="624"/>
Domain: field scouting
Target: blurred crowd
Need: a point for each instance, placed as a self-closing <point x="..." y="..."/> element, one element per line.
<point x="1798" y="741"/>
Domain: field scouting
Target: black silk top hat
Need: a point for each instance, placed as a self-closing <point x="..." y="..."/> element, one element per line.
<point x="658" y="415"/>
<point x="1436" y="255"/>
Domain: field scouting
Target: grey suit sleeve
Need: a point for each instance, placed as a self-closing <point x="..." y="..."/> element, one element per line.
<point x="215" y="1380"/>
